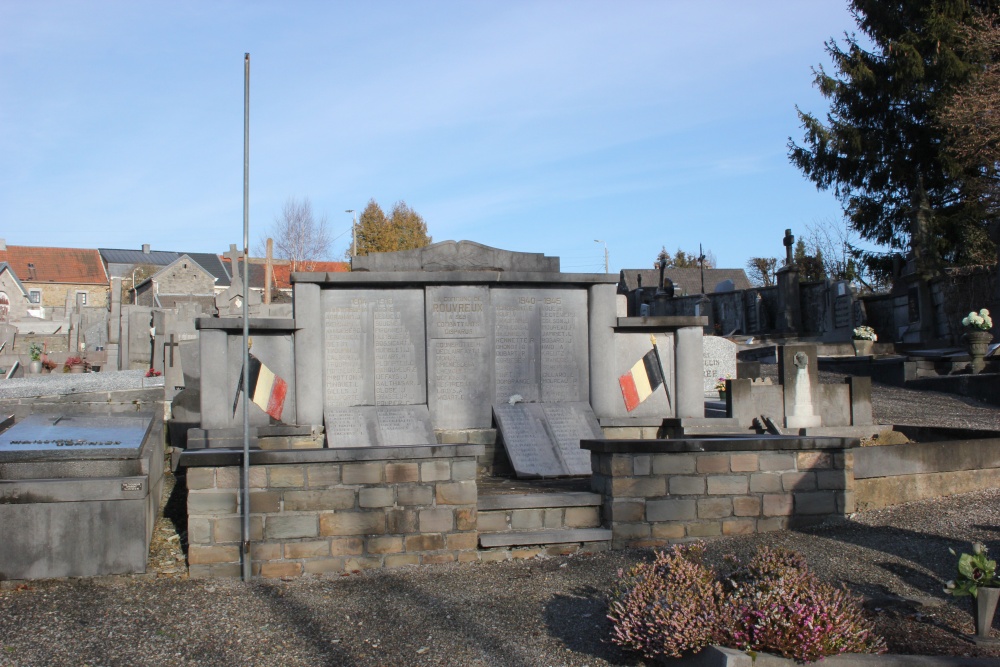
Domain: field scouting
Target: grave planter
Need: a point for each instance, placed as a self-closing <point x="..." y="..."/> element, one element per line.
<point x="979" y="343"/>
<point x="984" y="606"/>
<point x="863" y="348"/>
<point x="35" y="366"/>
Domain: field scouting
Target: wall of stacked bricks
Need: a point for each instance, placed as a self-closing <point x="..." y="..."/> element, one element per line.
<point x="333" y="517"/>
<point x="535" y="519"/>
<point x="656" y="499"/>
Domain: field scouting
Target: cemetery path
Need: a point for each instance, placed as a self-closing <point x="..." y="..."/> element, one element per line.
<point x="535" y="612"/>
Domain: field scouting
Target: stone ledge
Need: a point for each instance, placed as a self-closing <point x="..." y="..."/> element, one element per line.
<point x="234" y="457"/>
<point x="539" y="500"/>
<point x="524" y="538"/>
<point x="749" y="443"/>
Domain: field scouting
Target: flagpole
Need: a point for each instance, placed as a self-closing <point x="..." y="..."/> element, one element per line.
<point x="666" y="380"/>
<point x="247" y="573"/>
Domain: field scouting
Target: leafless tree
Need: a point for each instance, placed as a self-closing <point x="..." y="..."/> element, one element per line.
<point x="298" y="236"/>
<point x="760" y="270"/>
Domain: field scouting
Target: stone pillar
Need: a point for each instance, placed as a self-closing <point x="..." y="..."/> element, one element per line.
<point x="690" y="364"/>
<point x="309" y="390"/>
<point x="114" y="318"/>
<point x="605" y="397"/>
<point x="216" y="396"/>
<point x="789" y="307"/>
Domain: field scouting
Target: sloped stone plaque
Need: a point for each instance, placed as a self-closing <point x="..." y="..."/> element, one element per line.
<point x="543" y="439"/>
<point x="382" y="426"/>
<point x="73" y="436"/>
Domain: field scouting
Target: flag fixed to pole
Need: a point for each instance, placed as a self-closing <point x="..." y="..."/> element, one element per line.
<point x="266" y="390"/>
<point x="644" y="378"/>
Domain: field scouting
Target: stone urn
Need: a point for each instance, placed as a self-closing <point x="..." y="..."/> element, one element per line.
<point x="862" y="347"/>
<point x="979" y="343"/>
<point x="984" y="606"/>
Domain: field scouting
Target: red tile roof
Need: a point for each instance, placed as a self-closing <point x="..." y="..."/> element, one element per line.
<point x="281" y="273"/>
<point x="56" y="265"/>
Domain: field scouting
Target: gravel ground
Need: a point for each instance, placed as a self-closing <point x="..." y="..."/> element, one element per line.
<point x="543" y="611"/>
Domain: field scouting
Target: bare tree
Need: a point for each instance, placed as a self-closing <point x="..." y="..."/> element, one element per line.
<point x="760" y="270"/>
<point x="298" y="236"/>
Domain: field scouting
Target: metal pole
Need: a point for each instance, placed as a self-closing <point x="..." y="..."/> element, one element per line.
<point x="354" y="227"/>
<point x="606" y="268"/>
<point x="246" y="318"/>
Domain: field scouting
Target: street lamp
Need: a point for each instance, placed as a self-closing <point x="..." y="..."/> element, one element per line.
<point x="606" y="270"/>
<point x="354" y="238"/>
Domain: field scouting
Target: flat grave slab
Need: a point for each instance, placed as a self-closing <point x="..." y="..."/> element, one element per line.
<point x="382" y="426"/>
<point x="543" y="439"/>
<point x="64" y="437"/>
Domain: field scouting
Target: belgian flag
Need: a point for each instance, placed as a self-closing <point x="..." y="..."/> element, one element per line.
<point x="641" y="381"/>
<point x="267" y="390"/>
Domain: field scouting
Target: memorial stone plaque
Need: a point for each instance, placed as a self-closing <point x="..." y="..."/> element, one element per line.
<point x="526" y="440"/>
<point x="459" y="349"/>
<point x="82" y="436"/>
<point x="405" y="425"/>
<point x="720" y="361"/>
<point x="382" y="426"/>
<point x="842" y="311"/>
<point x="351" y="427"/>
<point x="541" y="344"/>
<point x="373" y="347"/>
<point x="568" y="423"/>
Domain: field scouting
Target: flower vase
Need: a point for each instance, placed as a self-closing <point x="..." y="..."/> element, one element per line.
<point x="35" y="366"/>
<point x="76" y="368"/>
<point x="863" y="348"/>
<point x="984" y="606"/>
<point x="722" y="395"/>
<point x="979" y="343"/>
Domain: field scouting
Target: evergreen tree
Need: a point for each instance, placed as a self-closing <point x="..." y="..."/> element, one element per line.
<point x="880" y="150"/>
<point x="403" y="229"/>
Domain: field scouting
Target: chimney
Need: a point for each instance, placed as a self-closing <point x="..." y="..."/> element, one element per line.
<point x="3" y="245"/>
<point x="145" y="248"/>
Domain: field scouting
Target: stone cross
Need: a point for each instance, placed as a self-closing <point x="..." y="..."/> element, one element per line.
<point x="788" y="241"/>
<point x="234" y="256"/>
<point x="172" y="344"/>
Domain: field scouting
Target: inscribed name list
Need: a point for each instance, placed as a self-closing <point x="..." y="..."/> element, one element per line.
<point x="458" y="356"/>
<point x="373" y="347"/>
<point x="540" y="344"/>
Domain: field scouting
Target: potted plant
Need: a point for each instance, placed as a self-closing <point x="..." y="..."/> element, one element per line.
<point x="863" y="338"/>
<point x="977" y="576"/>
<point x="48" y="366"/>
<point x="978" y="336"/>
<point x="720" y="386"/>
<point x="35" y="367"/>
<point x="74" y="365"/>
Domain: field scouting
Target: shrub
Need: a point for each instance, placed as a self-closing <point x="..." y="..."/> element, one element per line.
<point x="666" y="607"/>
<point x="772" y="603"/>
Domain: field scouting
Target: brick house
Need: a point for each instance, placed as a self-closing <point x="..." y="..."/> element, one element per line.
<point x="48" y="274"/>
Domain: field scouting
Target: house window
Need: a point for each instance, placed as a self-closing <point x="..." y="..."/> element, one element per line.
<point x="81" y="298"/>
<point x="35" y="296"/>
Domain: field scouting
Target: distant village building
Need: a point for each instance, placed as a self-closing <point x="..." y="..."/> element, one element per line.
<point x="183" y="280"/>
<point x="52" y="276"/>
<point x="121" y="263"/>
<point x="13" y="295"/>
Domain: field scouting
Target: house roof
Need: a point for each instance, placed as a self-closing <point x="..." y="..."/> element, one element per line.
<point x="196" y="265"/>
<point x="4" y="266"/>
<point x="82" y="266"/>
<point x="686" y="281"/>
<point x="127" y="257"/>
<point x="281" y="271"/>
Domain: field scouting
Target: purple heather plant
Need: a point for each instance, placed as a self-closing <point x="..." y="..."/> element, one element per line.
<point x="772" y="603"/>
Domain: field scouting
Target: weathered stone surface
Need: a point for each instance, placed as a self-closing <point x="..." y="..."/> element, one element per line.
<point x="720" y="361"/>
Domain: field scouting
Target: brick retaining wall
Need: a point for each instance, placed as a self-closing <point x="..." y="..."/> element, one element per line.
<point x="658" y="492"/>
<point x="410" y="506"/>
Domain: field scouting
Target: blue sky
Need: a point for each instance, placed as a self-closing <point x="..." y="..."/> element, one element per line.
<point x="530" y="126"/>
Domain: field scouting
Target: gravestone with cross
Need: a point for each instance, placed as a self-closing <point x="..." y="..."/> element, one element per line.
<point x="230" y="302"/>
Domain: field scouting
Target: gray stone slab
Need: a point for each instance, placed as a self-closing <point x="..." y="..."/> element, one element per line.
<point x="538" y="500"/>
<point x="568" y="423"/>
<point x="543" y="439"/>
<point x="71" y="436"/>
<point x="630" y="348"/>
<point x="565" y="536"/>
<point x="351" y="427"/>
<point x="720" y="361"/>
<point x="459" y="356"/>
<point x="541" y="344"/>
<point x="374" y="347"/>
<point x="382" y="426"/>
<point x="455" y="256"/>
<point x="529" y="447"/>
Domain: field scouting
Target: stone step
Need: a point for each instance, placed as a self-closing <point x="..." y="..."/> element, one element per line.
<point x="531" y="537"/>
<point x="538" y="500"/>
